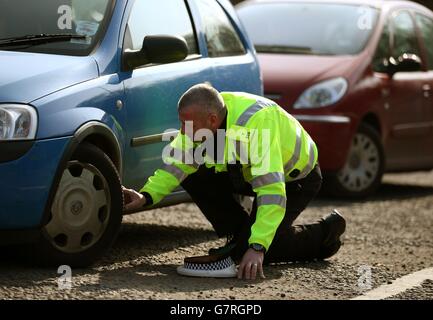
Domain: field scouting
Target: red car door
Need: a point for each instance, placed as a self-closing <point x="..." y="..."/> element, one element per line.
<point x="405" y="101"/>
<point x="425" y="26"/>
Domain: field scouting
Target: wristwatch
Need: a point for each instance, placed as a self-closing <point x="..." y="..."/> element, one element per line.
<point x="258" y="247"/>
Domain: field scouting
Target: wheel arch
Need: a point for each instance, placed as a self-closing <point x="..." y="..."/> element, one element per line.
<point x="93" y="132"/>
<point x="373" y="121"/>
<point x="101" y="136"/>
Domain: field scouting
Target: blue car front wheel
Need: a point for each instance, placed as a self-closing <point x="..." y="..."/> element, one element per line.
<point x="86" y="212"/>
<point x="81" y="209"/>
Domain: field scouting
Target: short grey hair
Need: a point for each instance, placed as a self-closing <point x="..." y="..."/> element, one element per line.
<point x="205" y="96"/>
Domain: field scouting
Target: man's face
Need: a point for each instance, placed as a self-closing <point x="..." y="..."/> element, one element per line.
<point x="195" y="117"/>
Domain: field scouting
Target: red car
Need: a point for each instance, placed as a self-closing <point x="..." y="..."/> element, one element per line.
<point x="359" y="77"/>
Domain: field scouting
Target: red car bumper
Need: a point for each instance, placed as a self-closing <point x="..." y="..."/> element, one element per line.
<point x="333" y="136"/>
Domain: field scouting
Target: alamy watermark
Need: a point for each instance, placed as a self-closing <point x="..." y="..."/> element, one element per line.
<point x="366" y="16"/>
<point x="244" y="146"/>
<point x="64" y="282"/>
<point x="365" y="281"/>
<point x="65" y="20"/>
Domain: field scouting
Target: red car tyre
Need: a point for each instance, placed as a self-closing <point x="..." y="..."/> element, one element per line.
<point x="364" y="167"/>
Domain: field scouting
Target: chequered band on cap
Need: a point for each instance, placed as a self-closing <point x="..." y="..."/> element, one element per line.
<point x="217" y="265"/>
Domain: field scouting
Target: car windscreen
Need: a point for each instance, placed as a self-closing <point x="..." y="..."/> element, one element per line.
<point x="53" y="26"/>
<point x="308" y="28"/>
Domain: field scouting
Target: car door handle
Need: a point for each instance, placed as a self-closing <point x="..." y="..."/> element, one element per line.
<point x="427" y="90"/>
<point x="385" y="92"/>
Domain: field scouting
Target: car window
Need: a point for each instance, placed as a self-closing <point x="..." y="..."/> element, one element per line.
<point x="19" y="18"/>
<point x="156" y="17"/>
<point x="405" y="40"/>
<point x="383" y="51"/>
<point x="426" y="26"/>
<point x="308" y="28"/>
<point x="221" y="37"/>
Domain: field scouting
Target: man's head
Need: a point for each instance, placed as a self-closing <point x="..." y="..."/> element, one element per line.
<point x="203" y="106"/>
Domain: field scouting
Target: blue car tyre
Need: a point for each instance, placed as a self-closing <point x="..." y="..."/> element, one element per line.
<point x="86" y="213"/>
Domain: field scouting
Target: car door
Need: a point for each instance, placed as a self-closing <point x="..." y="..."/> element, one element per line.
<point x="152" y="91"/>
<point x="404" y="99"/>
<point x="425" y="26"/>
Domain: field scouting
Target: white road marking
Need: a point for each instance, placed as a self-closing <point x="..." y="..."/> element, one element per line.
<point x="398" y="286"/>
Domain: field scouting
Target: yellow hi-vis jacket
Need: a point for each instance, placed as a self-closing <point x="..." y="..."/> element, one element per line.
<point x="278" y="150"/>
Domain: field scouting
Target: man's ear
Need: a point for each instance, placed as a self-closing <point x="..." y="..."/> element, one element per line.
<point x="213" y="118"/>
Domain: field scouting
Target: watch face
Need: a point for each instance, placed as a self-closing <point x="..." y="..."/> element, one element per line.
<point x="257" y="247"/>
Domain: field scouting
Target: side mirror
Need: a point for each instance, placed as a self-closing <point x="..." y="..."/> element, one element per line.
<point x="405" y="63"/>
<point x="157" y="49"/>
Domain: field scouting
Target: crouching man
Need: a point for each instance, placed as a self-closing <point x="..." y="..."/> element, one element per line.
<point x="237" y="143"/>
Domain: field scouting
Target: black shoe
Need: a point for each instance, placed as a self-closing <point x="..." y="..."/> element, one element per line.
<point x="335" y="226"/>
<point x="225" y="249"/>
<point x="328" y="251"/>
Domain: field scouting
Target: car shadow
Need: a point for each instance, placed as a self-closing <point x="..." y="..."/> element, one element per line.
<point x="134" y="241"/>
<point x="386" y="192"/>
<point x="145" y="240"/>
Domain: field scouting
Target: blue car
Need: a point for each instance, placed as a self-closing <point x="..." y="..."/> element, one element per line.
<point x="87" y="89"/>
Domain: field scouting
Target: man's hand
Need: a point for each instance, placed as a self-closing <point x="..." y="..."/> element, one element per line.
<point x="251" y="264"/>
<point x="133" y="199"/>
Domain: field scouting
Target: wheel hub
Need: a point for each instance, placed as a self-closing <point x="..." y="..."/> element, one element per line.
<point x="362" y="165"/>
<point x="355" y="160"/>
<point x="76" y="208"/>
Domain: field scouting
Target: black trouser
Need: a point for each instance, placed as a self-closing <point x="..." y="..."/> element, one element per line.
<point x="214" y="195"/>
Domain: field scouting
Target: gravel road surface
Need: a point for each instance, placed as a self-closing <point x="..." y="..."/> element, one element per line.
<point x="388" y="236"/>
